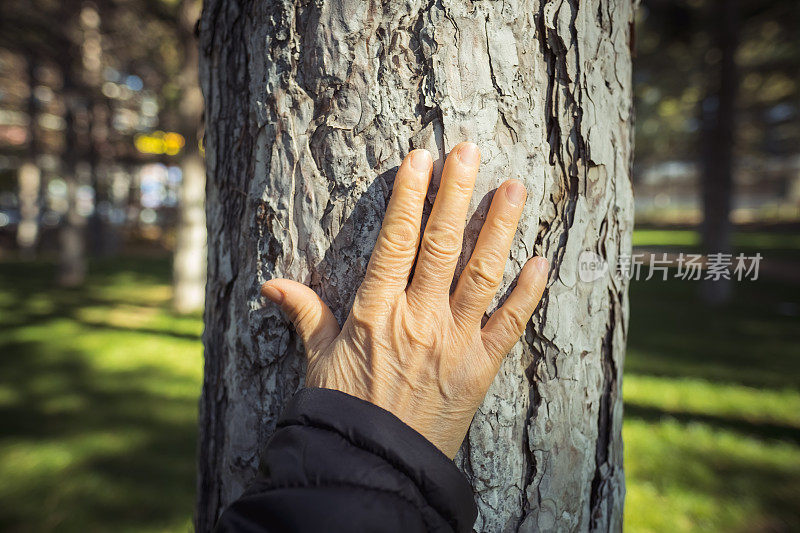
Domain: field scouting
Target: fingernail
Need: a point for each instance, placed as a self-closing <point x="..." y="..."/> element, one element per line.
<point x="272" y="293"/>
<point x="542" y="265"/>
<point x="420" y="160"/>
<point x="515" y="192"/>
<point x="469" y="154"/>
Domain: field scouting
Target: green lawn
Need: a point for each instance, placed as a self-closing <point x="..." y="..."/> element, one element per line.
<point x="778" y="244"/>
<point x="712" y="410"/>
<point x="98" y="401"/>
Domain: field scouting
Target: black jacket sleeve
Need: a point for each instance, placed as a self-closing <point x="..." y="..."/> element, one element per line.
<point x="338" y="463"/>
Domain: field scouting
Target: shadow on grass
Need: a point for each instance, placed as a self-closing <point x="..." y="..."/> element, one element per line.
<point x="89" y="443"/>
<point x="761" y="430"/>
<point x="750" y="341"/>
<point x="726" y="483"/>
<point x="130" y="450"/>
<point x="144" y="331"/>
<point x="28" y="296"/>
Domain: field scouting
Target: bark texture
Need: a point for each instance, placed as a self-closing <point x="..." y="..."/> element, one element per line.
<point x="310" y="108"/>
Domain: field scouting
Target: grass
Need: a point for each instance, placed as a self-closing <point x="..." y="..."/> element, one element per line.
<point x="712" y="401"/>
<point x="712" y="410"/>
<point x="98" y="401"/>
<point x="779" y="244"/>
<point x="99" y="386"/>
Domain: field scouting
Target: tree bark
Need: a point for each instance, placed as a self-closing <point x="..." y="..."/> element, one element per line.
<point x="310" y="107"/>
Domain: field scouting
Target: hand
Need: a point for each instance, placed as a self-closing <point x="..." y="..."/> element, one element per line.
<point x="416" y="350"/>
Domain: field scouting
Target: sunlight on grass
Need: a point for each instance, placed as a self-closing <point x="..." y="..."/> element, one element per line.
<point x="691" y="239"/>
<point x="98" y="402"/>
<point x="712" y="411"/>
<point x="656" y="237"/>
<point x="691" y="477"/>
<point x="695" y="396"/>
<point x="99" y="388"/>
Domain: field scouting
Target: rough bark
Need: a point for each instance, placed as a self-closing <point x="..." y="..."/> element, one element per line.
<point x="310" y="107"/>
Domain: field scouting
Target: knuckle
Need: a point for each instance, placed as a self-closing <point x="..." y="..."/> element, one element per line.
<point x="367" y="306"/>
<point x="462" y="185"/>
<point x="400" y="237"/>
<point x="304" y="314"/>
<point x="443" y="244"/>
<point x="516" y="320"/>
<point x="493" y="343"/>
<point x="415" y="188"/>
<point x="360" y="308"/>
<point x="482" y="274"/>
<point x="503" y="222"/>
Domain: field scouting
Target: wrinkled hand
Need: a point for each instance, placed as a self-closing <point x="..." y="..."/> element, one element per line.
<point x="416" y="350"/>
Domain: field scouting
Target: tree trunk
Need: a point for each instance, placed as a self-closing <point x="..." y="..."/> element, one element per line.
<point x="29" y="175"/>
<point x="189" y="261"/>
<point x="72" y="234"/>
<point x="98" y="230"/>
<point x="310" y="107"/>
<point x="719" y="136"/>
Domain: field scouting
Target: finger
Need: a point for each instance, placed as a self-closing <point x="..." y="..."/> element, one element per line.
<point x="312" y="319"/>
<point x="484" y="271"/>
<point x="507" y="324"/>
<point x="441" y="242"/>
<point x="391" y="260"/>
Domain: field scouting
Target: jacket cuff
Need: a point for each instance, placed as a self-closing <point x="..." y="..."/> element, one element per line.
<point x="378" y="431"/>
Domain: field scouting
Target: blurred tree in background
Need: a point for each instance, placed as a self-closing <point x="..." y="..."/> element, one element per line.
<point x="93" y="94"/>
<point x="717" y="85"/>
<point x="677" y="64"/>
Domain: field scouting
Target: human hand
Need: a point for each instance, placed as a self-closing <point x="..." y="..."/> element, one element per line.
<point x="416" y="350"/>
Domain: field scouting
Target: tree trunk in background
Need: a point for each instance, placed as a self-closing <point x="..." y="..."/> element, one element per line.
<point x="719" y="136"/>
<point x="189" y="261"/>
<point x="310" y="108"/>
<point x="29" y="176"/>
<point x="72" y="234"/>
<point x="99" y="238"/>
<point x="77" y="135"/>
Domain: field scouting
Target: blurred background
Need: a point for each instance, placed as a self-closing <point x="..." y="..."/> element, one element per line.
<point x="102" y="238"/>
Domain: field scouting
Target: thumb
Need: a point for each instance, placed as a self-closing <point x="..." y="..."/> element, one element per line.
<point x="313" y="320"/>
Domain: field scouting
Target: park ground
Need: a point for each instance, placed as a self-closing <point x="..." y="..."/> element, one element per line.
<point x="99" y="386"/>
